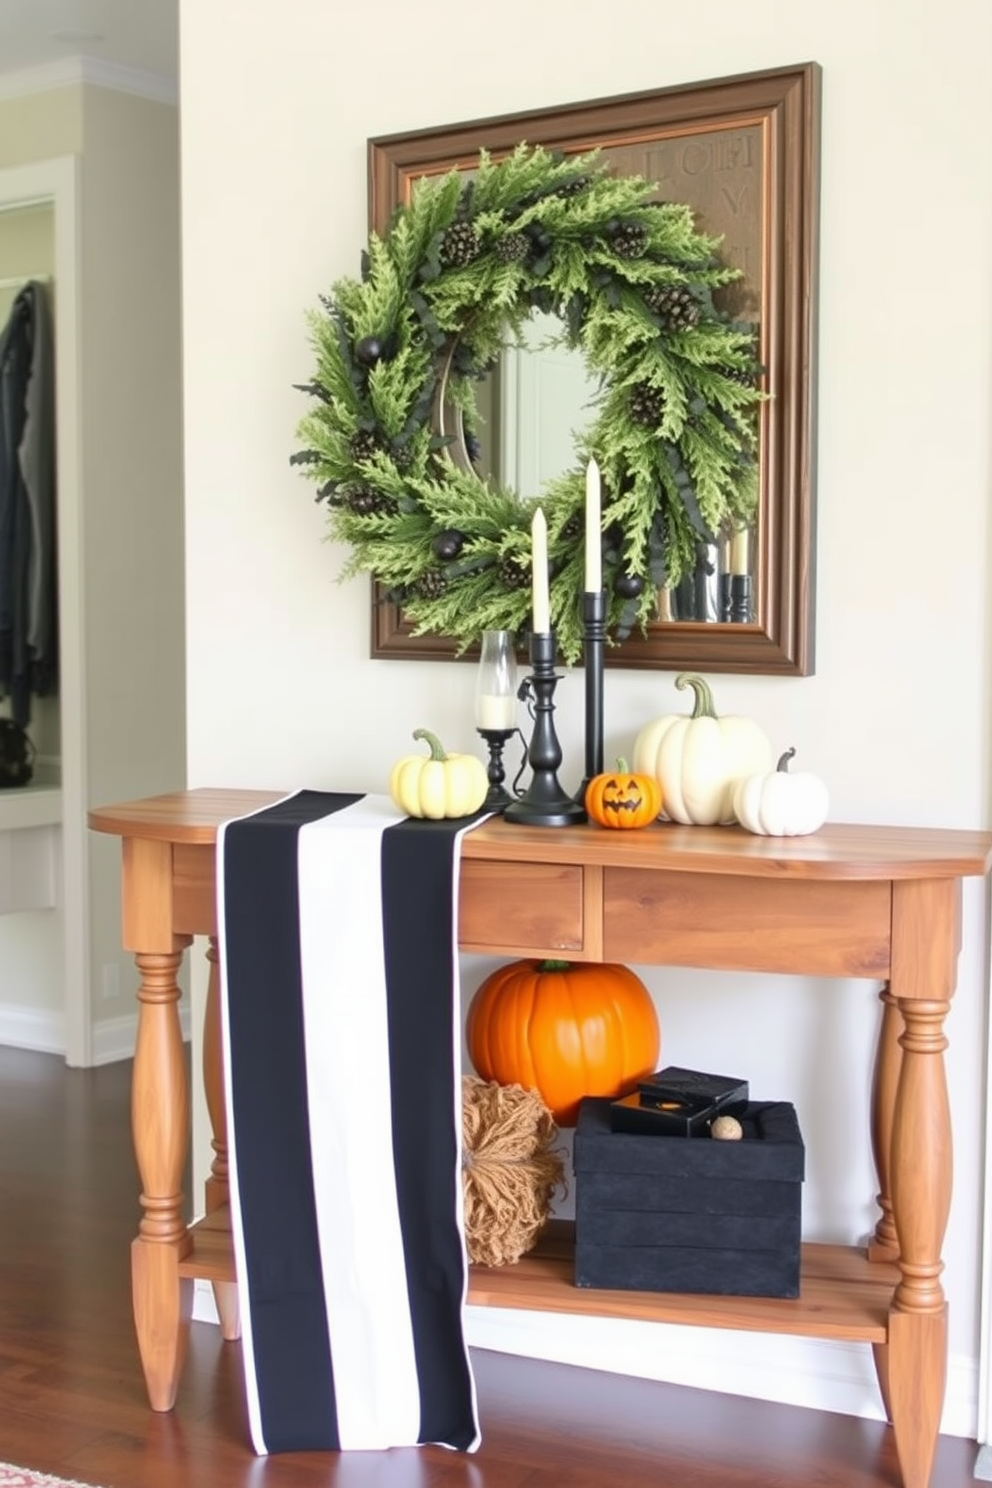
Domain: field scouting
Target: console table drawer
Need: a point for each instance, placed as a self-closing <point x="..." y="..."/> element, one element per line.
<point x="821" y="928"/>
<point x="520" y="909"/>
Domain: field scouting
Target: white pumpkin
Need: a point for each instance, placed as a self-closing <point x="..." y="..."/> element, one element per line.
<point x="782" y="805"/>
<point x="698" y="758"/>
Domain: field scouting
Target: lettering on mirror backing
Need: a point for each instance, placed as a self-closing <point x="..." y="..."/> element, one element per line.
<point x="718" y="173"/>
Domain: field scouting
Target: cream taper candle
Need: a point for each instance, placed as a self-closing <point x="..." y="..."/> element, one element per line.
<point x="594" y="554"/>
<point x="541" y="600"/>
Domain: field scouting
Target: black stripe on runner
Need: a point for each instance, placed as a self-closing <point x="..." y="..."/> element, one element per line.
<point x="268" y="1086"/>
<point x="425" y="1086"/>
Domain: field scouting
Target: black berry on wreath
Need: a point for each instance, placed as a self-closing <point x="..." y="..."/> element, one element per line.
<point x="451" y="284"/>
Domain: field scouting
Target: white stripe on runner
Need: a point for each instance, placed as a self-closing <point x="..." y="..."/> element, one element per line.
<point x="344" y="1002"/>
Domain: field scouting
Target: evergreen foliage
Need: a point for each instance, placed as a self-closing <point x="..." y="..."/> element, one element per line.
<point x="449" y="286"/>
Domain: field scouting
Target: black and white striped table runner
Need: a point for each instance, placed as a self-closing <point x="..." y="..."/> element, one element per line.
<point x="339" y="976"/>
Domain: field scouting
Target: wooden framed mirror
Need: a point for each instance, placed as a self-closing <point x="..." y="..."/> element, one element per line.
<point x="742" y="152"/>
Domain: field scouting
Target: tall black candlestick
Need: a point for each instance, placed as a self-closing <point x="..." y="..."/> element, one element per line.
<point x="594" y="640"/>
<point x="544" y="803"/>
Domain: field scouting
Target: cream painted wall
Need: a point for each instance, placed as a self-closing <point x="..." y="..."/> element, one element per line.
<point x="281" y="690"/>
<point x="40" y="126"/>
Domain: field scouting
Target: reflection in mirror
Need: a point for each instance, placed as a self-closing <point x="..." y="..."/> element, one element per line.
<point x="531" y="409"/>
<point x="742" y="153"/>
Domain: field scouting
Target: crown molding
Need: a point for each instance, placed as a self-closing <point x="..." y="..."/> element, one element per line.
<point x="77" y="71"/>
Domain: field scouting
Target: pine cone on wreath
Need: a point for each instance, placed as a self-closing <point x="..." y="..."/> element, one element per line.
<point x="513" y="247"/>
<point x="460" y="244"/>
<point x="513" y="572"/>
<point x="629" y="240"/>
<point x="364" y="445"/>
<point x="363" y="501"/>
<point x="572" y="187"/>
<point x="675" y="306"/>
<point x="431" y="584"/>
<point x="647" y="404"/>
<point x="745" y="376"/>
<point x="574" y="527"/>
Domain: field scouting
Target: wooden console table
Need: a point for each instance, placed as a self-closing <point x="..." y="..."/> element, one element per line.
<point x="850" y="901"/>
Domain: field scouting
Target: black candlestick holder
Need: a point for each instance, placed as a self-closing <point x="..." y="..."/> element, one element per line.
<point x="498" y="797"/>
<point x="594" y="641"/>
<point x="740" y="599"/>
<point x="544" y="803"/>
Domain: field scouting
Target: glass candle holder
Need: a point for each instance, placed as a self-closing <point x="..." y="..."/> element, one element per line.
<point x="496" y="683"/>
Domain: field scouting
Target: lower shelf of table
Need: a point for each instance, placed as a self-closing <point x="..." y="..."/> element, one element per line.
<point x="843" y="1295"/>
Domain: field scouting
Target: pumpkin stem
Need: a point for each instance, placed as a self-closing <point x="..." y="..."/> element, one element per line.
<point x="703" y="706"/>
<point x="552" y="965"/>
<point x="622" y="767"/>
<point x="436" y="747"/>
<point x="783" y="763"/>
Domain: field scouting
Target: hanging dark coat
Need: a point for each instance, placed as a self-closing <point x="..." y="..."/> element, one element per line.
<point x="28" y="576"/>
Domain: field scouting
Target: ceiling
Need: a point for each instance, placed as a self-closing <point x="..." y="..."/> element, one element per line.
<point x="142" y="35"/>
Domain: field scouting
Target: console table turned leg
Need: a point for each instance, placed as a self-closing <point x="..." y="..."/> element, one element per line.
<point x="160" y="1121"/>
<point x="216" y="1188"/>
<point x="925" y="945"/>
<point x="884" y="1243"/>
<point x="912" y="1365"/>
<point x="921" y="1194"/>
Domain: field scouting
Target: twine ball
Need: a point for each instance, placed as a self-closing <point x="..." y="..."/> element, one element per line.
<point x="510" y="1169"/>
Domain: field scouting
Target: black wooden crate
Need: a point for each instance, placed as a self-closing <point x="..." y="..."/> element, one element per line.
<point x="690" y="1214"/>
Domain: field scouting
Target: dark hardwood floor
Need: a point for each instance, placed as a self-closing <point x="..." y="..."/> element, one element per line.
<point x="72" y="1399"/>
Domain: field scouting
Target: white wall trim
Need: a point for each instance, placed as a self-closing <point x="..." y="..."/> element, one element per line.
<point x="818" y="1374"/>
<point x="40" y="1029"/>
<point x="74" y="71"/>
<point x="43" y="1030"/>
<point x="814" y="1374"/>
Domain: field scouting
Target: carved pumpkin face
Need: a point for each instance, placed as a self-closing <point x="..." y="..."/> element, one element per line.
<point x="622" y="798"/>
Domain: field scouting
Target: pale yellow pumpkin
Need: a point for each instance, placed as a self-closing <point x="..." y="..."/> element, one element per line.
<point x="441" y="785"/>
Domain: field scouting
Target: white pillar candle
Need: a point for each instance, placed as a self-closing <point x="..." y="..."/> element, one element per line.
<point x="739" y="550"/>
<point x="540" y="598"/>
<point x="594" y="555"/>
<point x="495" y="710"/>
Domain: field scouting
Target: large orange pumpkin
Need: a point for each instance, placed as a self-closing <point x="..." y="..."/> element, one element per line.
<point x="565" y="1030"/>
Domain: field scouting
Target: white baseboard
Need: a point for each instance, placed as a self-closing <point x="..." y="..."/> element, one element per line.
<point x="43" y="1030"/>
<point x="814" y="1373"/>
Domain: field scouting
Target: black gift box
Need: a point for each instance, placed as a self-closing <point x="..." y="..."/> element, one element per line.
<point x="668" y="1116"/>
<point x="679" y="1102"/>
<point x="725" y="1091"/>
<point x="660" y="1214"/>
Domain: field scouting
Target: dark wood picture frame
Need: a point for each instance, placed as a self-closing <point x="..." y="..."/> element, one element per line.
<point x="750" y="145"/>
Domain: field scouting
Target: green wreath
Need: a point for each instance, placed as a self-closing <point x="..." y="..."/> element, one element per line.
<point x="449" y="285"/>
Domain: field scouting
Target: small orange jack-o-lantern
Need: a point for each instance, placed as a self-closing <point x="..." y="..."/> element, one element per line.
<point x="623" y="798"/>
